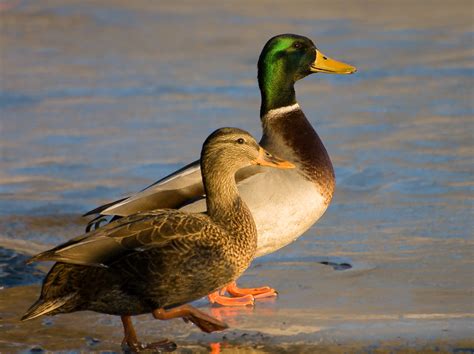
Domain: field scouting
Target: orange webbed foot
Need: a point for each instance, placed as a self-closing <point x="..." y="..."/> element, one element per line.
<point x="130" y="343"/>
<point x="257" y="293"/>
<point x="218" y="297"/>
<point x="240" y="296"/>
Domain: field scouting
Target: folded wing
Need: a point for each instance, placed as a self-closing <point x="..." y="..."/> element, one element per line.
<point x="173" y="191"/>
<point x="135" y="233"/>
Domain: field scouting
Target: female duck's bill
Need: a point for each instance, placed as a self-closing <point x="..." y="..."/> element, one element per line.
<point x="266" y="159"/>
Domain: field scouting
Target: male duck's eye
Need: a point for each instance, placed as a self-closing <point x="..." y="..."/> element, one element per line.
<point x="240" y="141"/>
<point x="297" y="45"/>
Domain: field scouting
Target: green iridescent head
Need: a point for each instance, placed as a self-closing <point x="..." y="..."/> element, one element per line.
<point x="285" y="59"/>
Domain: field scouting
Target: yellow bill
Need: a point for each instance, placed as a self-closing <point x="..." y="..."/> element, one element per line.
<point x="324" y="64"/>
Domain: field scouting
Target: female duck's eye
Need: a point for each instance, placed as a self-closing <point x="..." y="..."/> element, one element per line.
<point x="240" y="141"/>
<point x="297" y="45"/>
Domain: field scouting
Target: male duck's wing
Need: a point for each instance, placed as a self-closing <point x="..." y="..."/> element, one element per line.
<point x="181" y="188"/>
<point x="130" y="234"/>
<point x="173" y="191"/>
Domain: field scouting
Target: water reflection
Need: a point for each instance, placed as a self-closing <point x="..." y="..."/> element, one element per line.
<point x="230" y="315"/>
<point x="215" y="348"/>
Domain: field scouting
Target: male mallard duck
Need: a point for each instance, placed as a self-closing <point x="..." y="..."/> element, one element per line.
<point x="284" y="205"/>
<point x="156" y="261"/>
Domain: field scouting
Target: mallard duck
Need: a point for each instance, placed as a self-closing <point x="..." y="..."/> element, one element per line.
<point x="284" y="205"/>
<point x="157" y="261"/>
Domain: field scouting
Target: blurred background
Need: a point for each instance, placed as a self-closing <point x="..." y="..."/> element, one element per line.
<point x="98" y="99"/>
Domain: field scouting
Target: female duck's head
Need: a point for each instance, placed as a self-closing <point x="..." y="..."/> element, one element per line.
<point x="224" y="152"/>
<point x="285" y="59"/>
<point x="228" y="149"/>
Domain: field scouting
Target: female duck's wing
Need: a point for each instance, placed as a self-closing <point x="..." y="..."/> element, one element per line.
<point x="174" y="191"/>
<point x="130" y="234"/>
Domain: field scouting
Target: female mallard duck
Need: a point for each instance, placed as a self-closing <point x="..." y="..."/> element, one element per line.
<point x="284" y="205"/>
<point x="156" y="261"/>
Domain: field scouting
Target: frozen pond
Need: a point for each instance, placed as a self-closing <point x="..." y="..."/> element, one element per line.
<point x="100" y="99"/>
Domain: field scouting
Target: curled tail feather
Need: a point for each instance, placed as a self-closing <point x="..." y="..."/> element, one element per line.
<point x="43" y="307"/>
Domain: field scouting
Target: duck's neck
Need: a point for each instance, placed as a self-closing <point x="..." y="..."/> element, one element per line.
<point x="229" y="212"/>
<point x="224" y="205"/>
<point x="288" y="134"/>
<point x="276" y="89"/>
<point x="222" y="196"/>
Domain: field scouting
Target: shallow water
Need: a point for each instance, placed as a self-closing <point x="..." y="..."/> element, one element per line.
<point x="99" y="100"/>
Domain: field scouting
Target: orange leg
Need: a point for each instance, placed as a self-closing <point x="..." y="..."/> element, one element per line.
<point x="130" y="336"/>
<point x="205" y="322"/>
<point x="130" y="340"/>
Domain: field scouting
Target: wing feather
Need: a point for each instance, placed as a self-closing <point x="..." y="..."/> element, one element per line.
<point x="136" y="233"/>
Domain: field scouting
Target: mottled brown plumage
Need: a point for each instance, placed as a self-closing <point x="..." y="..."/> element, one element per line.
<point x="161" y="259"/>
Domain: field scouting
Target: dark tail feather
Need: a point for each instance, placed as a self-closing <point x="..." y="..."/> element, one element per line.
<point x="43" y="307"/>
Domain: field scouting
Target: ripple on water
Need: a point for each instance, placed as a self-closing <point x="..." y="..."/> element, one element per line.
<point x="14" y="271"/>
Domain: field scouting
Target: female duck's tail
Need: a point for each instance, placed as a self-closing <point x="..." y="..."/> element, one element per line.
<point x="43" y="307"/>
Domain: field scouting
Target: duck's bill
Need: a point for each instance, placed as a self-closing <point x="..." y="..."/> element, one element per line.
<point x="266" y="159"/>
<point x="324" y="64"/>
